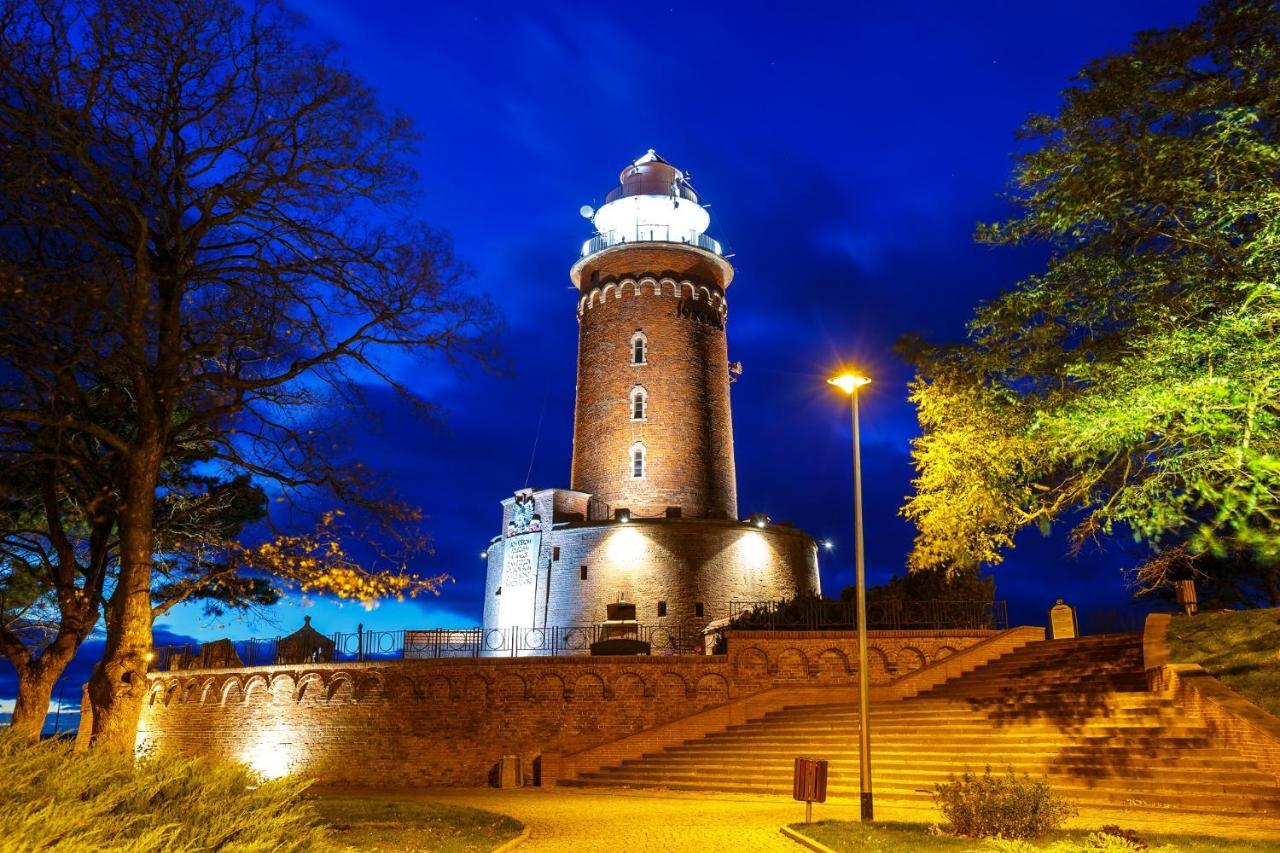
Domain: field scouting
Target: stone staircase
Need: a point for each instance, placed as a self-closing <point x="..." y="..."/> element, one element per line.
<point x="1077" y="711"/>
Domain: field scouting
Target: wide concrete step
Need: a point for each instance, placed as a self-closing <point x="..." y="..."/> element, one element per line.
<point x="1185" y="735"/>
<point x="1224" y="804"/>
<point x="1064" y="785"/>
<point x="1187" y="779"/>
<point x="978" y="753"/>
<point x="970" y="723"/>
<point x="1036" y="764"/>
<point x="1076" y="712"/>
<point x="922" y="709"/>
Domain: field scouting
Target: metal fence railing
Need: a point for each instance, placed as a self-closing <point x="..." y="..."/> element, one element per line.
<point x="651" y="234"/>
<point x="362" y="645"/>
<point x="822" y="614"/>
<point x="678" y="639"/>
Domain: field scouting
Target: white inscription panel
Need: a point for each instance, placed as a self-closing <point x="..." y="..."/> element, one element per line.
<point x="519" y="579"/>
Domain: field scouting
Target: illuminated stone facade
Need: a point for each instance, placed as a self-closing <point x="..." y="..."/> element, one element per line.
<point x="448" y="721"/>
<point x="652" y="513"/>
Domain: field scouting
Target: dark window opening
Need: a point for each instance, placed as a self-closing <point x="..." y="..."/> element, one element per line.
<point x="555" y="552"/>
<point x="674" y="512"/>
<point x="498" y="591"/>
<point x="662" y="608"/>
<point x="697" y="609"/>
<point x="582" y="573"/>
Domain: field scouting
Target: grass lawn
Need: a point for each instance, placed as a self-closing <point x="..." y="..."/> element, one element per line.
<point x="388" y="825"/>
<point x="842" y="836"/>
<point x="1239" y="648"/>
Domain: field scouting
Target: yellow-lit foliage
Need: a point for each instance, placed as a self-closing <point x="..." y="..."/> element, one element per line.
<point x="971" y="449"/>
<point x="55" y="799"/>
<point x="315" y="562"/>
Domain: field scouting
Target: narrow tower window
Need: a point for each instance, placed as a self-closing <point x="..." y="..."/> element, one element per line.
<point x="639" y="348"/>
<point x="639" y="404"/>
<point x="637" y="461"/>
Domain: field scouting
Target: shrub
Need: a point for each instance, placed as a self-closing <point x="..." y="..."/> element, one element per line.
<point x="55" y="799"/>
<point x="1097" y="842"/>
<point x="1007" y="807"/>
<point x="1127" y="834"/>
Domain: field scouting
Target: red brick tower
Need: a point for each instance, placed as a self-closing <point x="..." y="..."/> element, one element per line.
<point x="653" y="432"/>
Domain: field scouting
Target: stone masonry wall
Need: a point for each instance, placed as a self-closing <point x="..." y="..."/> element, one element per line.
<point x="680" y="563"/>
<point x="448" y="722"/>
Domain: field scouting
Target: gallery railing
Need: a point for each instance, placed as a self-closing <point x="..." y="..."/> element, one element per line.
<point x="819" y="614"/>
<point x="651" y="234"/>
<point x="362" y="645"/>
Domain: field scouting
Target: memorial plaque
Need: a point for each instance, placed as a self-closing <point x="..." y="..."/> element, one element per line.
<point x="519" y="578"/>
<point x="1062" y="621"/>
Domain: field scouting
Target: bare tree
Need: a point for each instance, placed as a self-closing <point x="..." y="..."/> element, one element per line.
<point x="206" y="215"/>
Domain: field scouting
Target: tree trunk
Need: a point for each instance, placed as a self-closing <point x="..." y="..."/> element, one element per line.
<point x="35" y="689"/>
<point x="119" y="681"/>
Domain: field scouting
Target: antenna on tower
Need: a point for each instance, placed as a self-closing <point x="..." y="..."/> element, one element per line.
<point x="536" y="435"/>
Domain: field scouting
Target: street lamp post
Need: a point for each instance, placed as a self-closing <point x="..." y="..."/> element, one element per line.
<point x="849" y="383"/>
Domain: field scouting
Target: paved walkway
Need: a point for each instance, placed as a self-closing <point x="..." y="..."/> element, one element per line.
<point x="571" y="820"/>
<point x="564" y="819"/>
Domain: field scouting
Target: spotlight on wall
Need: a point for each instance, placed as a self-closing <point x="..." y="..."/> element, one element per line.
<point x="623" y="516"/>
<point x="484" y="555"/>
<point x="828" y="545"/>
<point x="760" y="520"/>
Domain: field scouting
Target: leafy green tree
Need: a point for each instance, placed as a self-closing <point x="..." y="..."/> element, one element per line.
<point x="1134" y="384"/>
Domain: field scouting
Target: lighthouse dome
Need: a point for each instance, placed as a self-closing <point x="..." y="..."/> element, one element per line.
<point x="653" y="201"/>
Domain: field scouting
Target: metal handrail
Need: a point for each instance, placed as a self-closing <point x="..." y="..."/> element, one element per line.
<point x="361" y="645"/>
<point x="651" y="234"/>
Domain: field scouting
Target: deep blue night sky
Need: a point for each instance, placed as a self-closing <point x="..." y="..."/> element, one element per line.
<point x="847" y="152"/>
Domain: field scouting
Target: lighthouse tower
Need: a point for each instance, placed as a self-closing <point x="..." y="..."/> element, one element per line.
<point x="652" y="429"/>
<point x="651" y="517"/>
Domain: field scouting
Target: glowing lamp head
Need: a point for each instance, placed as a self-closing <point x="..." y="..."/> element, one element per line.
<point x="624" y="516"/>
<point x="827" y="544"/>
<point x="848" y="382"/>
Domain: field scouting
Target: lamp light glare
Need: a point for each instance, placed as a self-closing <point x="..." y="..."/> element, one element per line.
<point x="849" y="382"/>
<point x="828" y="545"/>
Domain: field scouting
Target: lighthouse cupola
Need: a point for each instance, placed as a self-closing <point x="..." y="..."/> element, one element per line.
<point x="653" y="202"/>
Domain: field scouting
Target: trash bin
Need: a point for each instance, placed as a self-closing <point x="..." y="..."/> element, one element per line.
<point x="511" y="772"/>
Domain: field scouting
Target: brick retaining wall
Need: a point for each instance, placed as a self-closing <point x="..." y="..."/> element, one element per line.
<point x="448" y="721"/>
<point x="1235" y="721"/>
